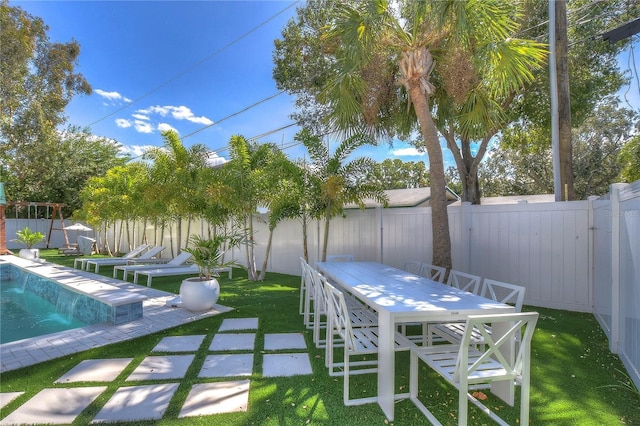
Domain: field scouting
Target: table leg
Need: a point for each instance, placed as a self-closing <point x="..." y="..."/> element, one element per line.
<point x="504" y="390"/>
<point x="386" y="363"/>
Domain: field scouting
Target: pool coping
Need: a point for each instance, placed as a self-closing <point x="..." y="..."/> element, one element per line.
<point x="158" y="314"/>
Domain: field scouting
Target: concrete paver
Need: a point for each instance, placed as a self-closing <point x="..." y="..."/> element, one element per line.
<point x="228" y="365"/>
<point x="95" y="370"/>
<point x="131" y="403"/>
<point x="233" y="342"/>
<point x="7" y="397"/>
<point x="162" y="367"/>
<point x="279" y="341"/>
<point x="213" y="398"/>
<point x="233" y="324"/>
<point x="179" y="344"/>
<point x="54" y="406"/>
<point x="284" y="365"/>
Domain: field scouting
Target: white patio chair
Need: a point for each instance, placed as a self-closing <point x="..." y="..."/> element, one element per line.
<point x="149" y="255"/>
<point x="495" y="290"/>
<point x="412" y="266"/>
<point x="340" y="258"/>
<point x="82" y="261"/>
<point x="464" y="281"/>
<point x="466" y="367"/>
<point x="357" y="341"/>
<point x="306" y="295"/>
<point x="359" y="316"/>
<point x="433" y="272"/>
<point x="143" y="264"/>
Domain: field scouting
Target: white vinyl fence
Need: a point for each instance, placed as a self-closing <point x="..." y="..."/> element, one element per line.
<point x="580" y="256"/>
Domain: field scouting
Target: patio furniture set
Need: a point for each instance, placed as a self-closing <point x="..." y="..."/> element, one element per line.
<point x="144" y="261"/>
<point x="472" y="335"/>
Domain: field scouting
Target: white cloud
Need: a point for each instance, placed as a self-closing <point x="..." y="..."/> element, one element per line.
<point x="215" y="160"/>
<point x="135" y="150"/>
<point x="408" y="152"/>
<point x="112" y="96"/>
<point x="185" y="113"/>
<point x="143" y="126"/>
<point x="123" y="123"/>
<point x="140" y="116"/>
<point x="165" y="126"/>
<point x="178" y="112"/>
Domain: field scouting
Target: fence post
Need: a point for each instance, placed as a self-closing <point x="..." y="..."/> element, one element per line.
<point x="591" y="246"/>
<point x="465" y="236"/>
<point x="614" y="341"/>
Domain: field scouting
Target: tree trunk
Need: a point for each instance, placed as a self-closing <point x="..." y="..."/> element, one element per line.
<point x="325" y="238"/>
<point x="251" y="256"/>
<point x="305" y="243"/>
<point x="263" y="271"/>
<point x="439" y="216"/>
<point x="564" y="103"/>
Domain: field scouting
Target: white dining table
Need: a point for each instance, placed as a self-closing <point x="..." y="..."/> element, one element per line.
<point x="398" y="296"/>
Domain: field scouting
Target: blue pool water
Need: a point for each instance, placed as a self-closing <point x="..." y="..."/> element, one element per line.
<point x="24" y="314"/>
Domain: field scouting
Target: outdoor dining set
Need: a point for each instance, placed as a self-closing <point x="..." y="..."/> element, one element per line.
<point x="471" y="331"/>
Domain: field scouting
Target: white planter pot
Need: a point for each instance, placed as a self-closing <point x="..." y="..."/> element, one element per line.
<point x="31" y="253"/>
<point x="199" y="295"/>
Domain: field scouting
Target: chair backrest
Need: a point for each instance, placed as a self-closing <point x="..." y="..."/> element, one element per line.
<point x="433" y="272"/>
<point x="180" y="259"/>
<point x="319" y="294"/>
<point x="151" y="253"/>
<point x="412" y="266"/>
<point x="464" y="281"/>
<point x="504" y="293"/>
<point x="136" y="251"/>
<point x="521" y="326"/>
<point x="340" y="258"/>
<point x="338" y="314"/>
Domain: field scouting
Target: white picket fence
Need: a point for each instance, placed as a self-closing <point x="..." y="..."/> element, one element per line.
<point x="580" y="256"/>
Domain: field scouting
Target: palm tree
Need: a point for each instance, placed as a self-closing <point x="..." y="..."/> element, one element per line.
<point x="246" y="182"/>
<point x="175" y="178"/>
<point x="393" y="53"/>
<point x="337" y="182"/>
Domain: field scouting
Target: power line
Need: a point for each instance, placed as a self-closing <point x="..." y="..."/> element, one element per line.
<point x="200" y="62"/>
<point x="234" y="114"/>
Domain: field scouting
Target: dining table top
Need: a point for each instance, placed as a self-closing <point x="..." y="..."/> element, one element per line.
<point x="384" y="287"/>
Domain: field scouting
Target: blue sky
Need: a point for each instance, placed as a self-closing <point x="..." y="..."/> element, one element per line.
<point x="188" y="66"/>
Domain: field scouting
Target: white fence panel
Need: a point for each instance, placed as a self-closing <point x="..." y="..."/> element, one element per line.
<point x="602" y="263"/>
<point x="629" y="346"/>
<point x="543" y="247"/>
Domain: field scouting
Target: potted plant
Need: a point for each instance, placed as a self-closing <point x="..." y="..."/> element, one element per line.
<point x="201" y="293"/>
<point x="29" y="238"/>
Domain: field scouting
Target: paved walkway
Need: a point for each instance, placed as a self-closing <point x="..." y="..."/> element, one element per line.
<point x="168" y="361"/>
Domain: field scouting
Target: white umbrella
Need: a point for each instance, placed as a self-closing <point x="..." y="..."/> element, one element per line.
<point x="78" y="227"/>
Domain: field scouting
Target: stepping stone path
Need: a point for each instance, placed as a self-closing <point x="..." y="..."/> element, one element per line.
<point x="174" y="357"/>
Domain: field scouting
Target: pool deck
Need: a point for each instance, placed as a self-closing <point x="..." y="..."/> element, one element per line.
<point x="158" y="315"/>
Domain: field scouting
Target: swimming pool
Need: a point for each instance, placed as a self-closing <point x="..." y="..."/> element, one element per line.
<point x="35" y="305"/>
<point x="25" y="314"/>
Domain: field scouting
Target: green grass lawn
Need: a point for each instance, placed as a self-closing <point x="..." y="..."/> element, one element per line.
<point x="575" y="379"/>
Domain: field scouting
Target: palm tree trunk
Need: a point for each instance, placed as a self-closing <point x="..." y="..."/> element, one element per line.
<point x="305" y="244"/>
<point x="439" y="216"/>
<point x="325" y="238"/>
<point x="263" y="271"/>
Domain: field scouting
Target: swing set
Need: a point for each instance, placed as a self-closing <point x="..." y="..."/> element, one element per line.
<point x="52" y="210"/>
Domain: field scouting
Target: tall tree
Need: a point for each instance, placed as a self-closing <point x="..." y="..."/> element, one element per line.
<point x="398" y="174"/>
<point x="175" y="173"/>
<point x="37" y="81"/>
<point x="630" y="160"/>
<point x="370" y="47"/>
<point x="597" y="145"/>
<point x="337" y="181"/>
<point x="244" y="184"/>
<point x="594" y="72"/>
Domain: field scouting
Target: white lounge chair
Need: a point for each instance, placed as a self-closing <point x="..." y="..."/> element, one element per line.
<point x="177" y="262"/>
<point x="82" y="261"/>
<point x="113" y="261"/>
<point x="171" y="271"/>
